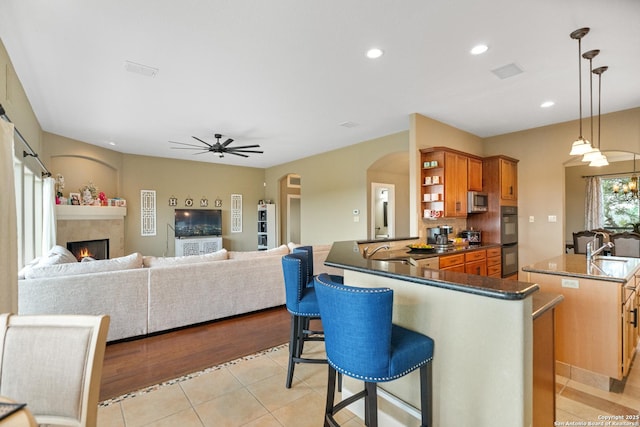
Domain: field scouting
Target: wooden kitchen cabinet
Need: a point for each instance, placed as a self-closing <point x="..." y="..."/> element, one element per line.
<point x="473" y="262"/>
<point x="446" y="177"/>
<point x="500" y="179"/>
<point x="474" y="174"/>
<point x="494" y="262"/>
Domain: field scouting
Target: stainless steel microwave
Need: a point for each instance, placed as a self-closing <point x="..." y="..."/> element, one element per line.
<point x="477" y="202"/>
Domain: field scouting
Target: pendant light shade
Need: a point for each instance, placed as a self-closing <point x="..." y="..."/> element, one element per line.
<point x="580" y="146"/>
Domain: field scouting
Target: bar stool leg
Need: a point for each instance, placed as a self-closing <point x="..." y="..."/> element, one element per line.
<point x="426" y="388"/>
<point x="293" y="347"/>
<point x="331" y="393"/>
<point x="371" y="404"/>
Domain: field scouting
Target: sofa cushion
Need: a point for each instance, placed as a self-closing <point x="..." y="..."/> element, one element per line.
<point x="122" y="263"/>
<point x="57" y="255"/>
<point x="280" y="250"/>
<point x="152" y="261"/>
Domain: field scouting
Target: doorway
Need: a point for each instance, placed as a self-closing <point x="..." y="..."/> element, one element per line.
<point x="383" y="208"/>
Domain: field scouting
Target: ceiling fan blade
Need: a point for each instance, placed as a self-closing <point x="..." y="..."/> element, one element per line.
<point x="236" y="154"/>
<point x="188" y="145"/>
<point x="202" y="152"/>
<point x="204" y="142"/>
<point x="245" y="151"/>
<point x="187" y="148"/>
<point x="245" y="146"/>
<point x="227" y="142"/>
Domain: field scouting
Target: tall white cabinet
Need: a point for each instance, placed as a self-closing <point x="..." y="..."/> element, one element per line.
<point x="266" y="226"/>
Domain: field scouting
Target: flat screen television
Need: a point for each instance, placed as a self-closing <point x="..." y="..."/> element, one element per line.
<point x="198" y="222"/>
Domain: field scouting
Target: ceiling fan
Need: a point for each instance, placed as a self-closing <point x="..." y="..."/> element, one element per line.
<point x="218" y="147"/>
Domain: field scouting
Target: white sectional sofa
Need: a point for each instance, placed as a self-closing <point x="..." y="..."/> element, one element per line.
<point x="145" y="295"/>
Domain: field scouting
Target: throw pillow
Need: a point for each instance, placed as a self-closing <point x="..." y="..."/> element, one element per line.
<point x="103" y="265"/>
<point x="280" y="250"/>
<point x="151" y="261"/>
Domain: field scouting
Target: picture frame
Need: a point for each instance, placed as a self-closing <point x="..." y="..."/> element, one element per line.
<point x="74" y="199"/>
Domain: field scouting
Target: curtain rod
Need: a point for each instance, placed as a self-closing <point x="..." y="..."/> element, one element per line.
<point x="610" y="174"/>
<point x="32" y="153"/>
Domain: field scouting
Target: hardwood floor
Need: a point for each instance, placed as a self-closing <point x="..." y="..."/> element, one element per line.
<point x="132" y="365"/>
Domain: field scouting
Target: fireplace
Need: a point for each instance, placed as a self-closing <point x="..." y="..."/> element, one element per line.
<point x="98" y="249"/>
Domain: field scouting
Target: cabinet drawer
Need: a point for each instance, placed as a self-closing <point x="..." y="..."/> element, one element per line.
<point x="494" y="252"/>
<point x="475" y="255"/>
<point x="494" y="270"/>
<point x="448" y="261"/>
<point x="476" y="267"/>
<point x="494" y="260"/>
<point x="458" y="268"/>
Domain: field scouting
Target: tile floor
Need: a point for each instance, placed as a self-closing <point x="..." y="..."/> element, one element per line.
<point x="250" y="392"/>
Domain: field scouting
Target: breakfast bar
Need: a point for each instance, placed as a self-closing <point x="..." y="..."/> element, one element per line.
<point x="483" y="333"/>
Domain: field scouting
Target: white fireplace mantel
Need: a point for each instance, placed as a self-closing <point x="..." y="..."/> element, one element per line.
<point x="74" y="212"/>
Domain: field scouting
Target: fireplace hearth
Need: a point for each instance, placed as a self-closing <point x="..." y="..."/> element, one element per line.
<point x="97" y="249"/>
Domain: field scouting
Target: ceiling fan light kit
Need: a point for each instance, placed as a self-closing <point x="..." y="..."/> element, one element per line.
<point x="218" y="148"/>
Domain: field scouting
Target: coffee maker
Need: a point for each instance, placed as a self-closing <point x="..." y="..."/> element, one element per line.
<point x="439" y="235"/>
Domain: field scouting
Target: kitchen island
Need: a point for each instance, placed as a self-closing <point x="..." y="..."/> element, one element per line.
<point x="483" y="333"/>
<point x="597" y="325"/>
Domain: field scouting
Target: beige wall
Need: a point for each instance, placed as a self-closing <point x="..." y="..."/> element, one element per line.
<point x="541" y="176"/>
<point x="16" y="104"/>
<point x="427" y="132"/>
<point x="333" y="185"/>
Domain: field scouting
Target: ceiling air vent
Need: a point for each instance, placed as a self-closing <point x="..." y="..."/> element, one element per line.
<point x="507" y="71"/>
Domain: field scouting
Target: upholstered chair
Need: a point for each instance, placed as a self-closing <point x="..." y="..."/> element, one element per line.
<point x="53" y="363"/>
<point x="581" y="238"/>
<point x="302" y="304"/>
<point x="310" y="270"/>
<point x="362" y="342"/>
<point x="626" y="244"/>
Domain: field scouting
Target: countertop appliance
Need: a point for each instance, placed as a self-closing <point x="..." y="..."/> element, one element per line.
<point x="474" y="237"/>
<point x="477" y="202"/>
<point x="439" y="236"/>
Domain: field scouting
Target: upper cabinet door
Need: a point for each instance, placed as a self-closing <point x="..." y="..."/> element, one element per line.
<point x="474" y="174"/>
<point x="509" y="180"/>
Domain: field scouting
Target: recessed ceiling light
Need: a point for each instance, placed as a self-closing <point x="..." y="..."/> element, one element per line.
<point x="547" y="104"/>
<point x="479" y="49"/>
<point x="374" y="53"/>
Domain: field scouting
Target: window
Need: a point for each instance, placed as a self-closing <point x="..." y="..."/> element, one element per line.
<point x="619" y="213"/>
<point x="28" y="188"/>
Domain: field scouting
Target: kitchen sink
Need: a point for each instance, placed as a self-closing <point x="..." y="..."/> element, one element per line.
<point x="604" y="258"/>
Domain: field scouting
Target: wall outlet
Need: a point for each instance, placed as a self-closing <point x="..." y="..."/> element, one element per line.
<point x="570" y="283"/>
<point x="356" y="218"/>
<point x="531" y="219"/>
<point x="552" y="218"/>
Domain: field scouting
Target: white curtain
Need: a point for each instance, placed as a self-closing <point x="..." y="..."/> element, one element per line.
<point x="8" y="223"/>
<point x="593" y="214"/>
<point x="48" y="214"/>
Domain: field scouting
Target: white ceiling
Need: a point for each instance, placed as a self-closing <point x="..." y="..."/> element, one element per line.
<point x="286" y="73"/>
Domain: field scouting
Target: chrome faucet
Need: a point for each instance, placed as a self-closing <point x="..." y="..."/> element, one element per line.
<point x="368" y="254"/>
<point x="591" y="252"/>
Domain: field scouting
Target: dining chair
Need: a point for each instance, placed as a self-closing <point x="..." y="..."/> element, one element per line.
<point x="53" y="363"/>
<point x="362" y="342"/>
<point x="581" y="238"/>
<point x="626" y="244"/>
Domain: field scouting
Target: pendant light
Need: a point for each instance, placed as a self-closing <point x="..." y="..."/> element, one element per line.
<point x="602" y="160"/>
<point x="580" y="145"/>
<point x="594" y="153"/>
<point x="630" y="189"/>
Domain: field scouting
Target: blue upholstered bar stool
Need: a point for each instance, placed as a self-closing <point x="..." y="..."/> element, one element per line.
<point x="362" y="343"/>
<point x="302" y="304"/>
<point x="310" y="271"/>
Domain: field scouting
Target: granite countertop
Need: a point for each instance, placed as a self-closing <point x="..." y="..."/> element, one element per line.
<point x="609" y="268"/>
<point x="347" y="255"/>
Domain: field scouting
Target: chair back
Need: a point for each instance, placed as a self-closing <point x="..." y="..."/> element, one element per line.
<point x="626" y="244"/>
<point x="309" y="251"/>
<point x="581" y="238"/>
<point x="357" y="324"/>
<point x="300" y="298"/>
<point x="54" y="364"/>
